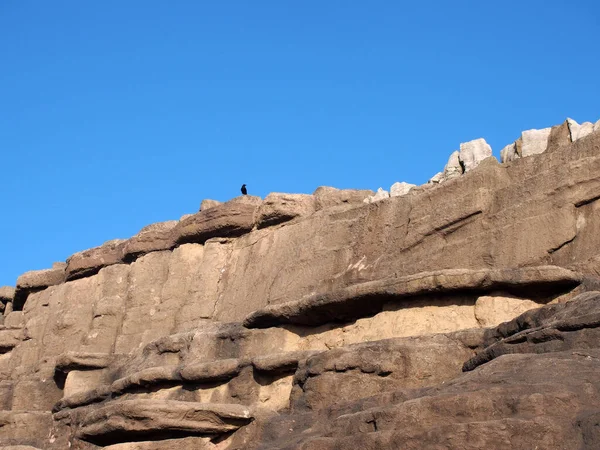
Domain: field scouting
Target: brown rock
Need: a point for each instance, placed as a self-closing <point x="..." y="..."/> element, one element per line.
<point x="7" y="294"/>
<point x="155" y="237"/>
<point x="133" y="419"/>
<point x="34" y="281"/>
<point x="277" y="208"/>
<point x="82" y="361"/>
<point x="326" y="197"/>
<point x="230" y="219"/>
<point x="368" y="298"/>
<point x="89" y="262"/>
<point x="207" y="203"/>
<point x="219" y="370"/>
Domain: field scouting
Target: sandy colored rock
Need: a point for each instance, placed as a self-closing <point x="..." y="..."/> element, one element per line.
<point x="509" y="153"/>
<point x="33" y="281"/>
<point x="132" y="419"/>
<point x="453" y="167"/>
<point x="277" y="208"/>
<point x="368" y="298"/>
<point x="7" y="294"/>
<point x="381" y="194"/>
<point x="151" y="238"/>
<point x="208" y="203"/>
<point x="491" y="310"/>
<point x="326" y="197"/>
<point x="400" y="188"/>
<point x="89" y="262"/>
<point x="230" y="219"/>
<point x="437" y="178"/>
<point x="472" y="153"/>
<point x="534" y="142"/>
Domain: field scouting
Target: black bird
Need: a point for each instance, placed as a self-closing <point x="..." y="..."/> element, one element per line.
<point x="244" y="190"/>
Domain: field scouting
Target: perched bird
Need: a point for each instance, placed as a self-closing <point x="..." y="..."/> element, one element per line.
<point x="244" y="190"/>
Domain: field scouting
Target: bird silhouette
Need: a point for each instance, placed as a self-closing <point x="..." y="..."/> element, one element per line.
<point x="244" y="190"/>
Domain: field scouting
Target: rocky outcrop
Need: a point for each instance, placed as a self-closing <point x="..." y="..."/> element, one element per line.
<point x="230" y="219"/>
<point x="89" y="262"/>
<point x="458" y="314"/>
<point x="278" y="208"/>
<point x="153" y="238"/>
<point x="132" y="420"/>
<point x="326" y="197"/>
<point x="400" y="188"/>
<point x="381" y="194"/>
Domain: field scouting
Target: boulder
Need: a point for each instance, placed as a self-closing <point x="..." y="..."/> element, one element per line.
<point x="7" y="294"/>
<point x="208" y="203"/>
<point x="509" y="153"/>
<point x="400" y="188"/>
<point x="453" y="167"/>
<point x="89" y="262"/>
<point x="231" y="219"/>
<point x="277" y="208"/>
<point x="326" y="197"/>
<point x="381" y="194"/>
<point x="472" y="153"/>
<point x="533" y="142"/>
<point x="580" y="131"/>
<point x="155" y="237"/>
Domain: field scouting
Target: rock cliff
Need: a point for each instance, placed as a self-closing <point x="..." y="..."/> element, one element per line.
<point x="461" y="314"/>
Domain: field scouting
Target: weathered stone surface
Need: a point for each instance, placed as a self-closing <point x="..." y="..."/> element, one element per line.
<point x="368" y="298"/>
<point x="326" y="197"/>
<point x="218" y="370"/>
<point x="491" y="310"/>
<point x="472" y="153"/>
<point x="381" y="194"/>
<point x="133" y="419"/>
<point x="82" y="361"/>
<point x="437" y="178"/>
<point x="208" y="203"/>
<point x="358" y="281"/>
<point x="453" y="167"/>
<point x="579" y="131"/>
<point x="14" y="319"/>
<point x="155" y="237"/>
<point x="36" y="280"/>
<point x="278" y="208"/>
<point x="400" y="188"/>
<point x="7" y="294"/>
<point x="557" y="327"/>
<point x="230" y="219"/>
<point x="509" y="153"/>
<point x="534" y="142"/>
<point x="89" y="262"/>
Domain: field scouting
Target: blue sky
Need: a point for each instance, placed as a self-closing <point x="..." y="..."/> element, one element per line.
<point x="117" y="114"/>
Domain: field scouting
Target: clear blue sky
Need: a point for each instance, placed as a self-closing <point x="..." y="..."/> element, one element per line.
<point x="117" y="114"/>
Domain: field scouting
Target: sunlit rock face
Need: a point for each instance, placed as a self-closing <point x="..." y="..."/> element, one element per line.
<point x="463" y="313"/>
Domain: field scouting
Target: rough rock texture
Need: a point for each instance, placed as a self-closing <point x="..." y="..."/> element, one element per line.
<point x="230" y="219"/>
<point x="453" y="167"/>
<point x="7" y="294"/>
<point x="326" y="197"/>
<point x="89" y="262"/>
<point x="155" y="237"/>
<point x="208" y="203"/>
<point x="400" y="188"/>
<point x="472" y="153"/>
<point x="278" y="208"/>
<point x="381" y="194"/>
<point x="461" y="316"/>
<point x="534" y="142"/>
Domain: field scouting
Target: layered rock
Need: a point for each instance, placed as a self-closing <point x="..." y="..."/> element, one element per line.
<point x="324" y="321"/>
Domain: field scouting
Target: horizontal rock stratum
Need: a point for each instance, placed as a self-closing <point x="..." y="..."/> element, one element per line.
<point x="460" y="314"/>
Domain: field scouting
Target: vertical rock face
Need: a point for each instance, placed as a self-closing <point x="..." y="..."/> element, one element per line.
<point x="463" y="315"/>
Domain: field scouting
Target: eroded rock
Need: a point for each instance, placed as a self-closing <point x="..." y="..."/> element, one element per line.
<point x="278" y="208"/>
<point x="89" y="262"/>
